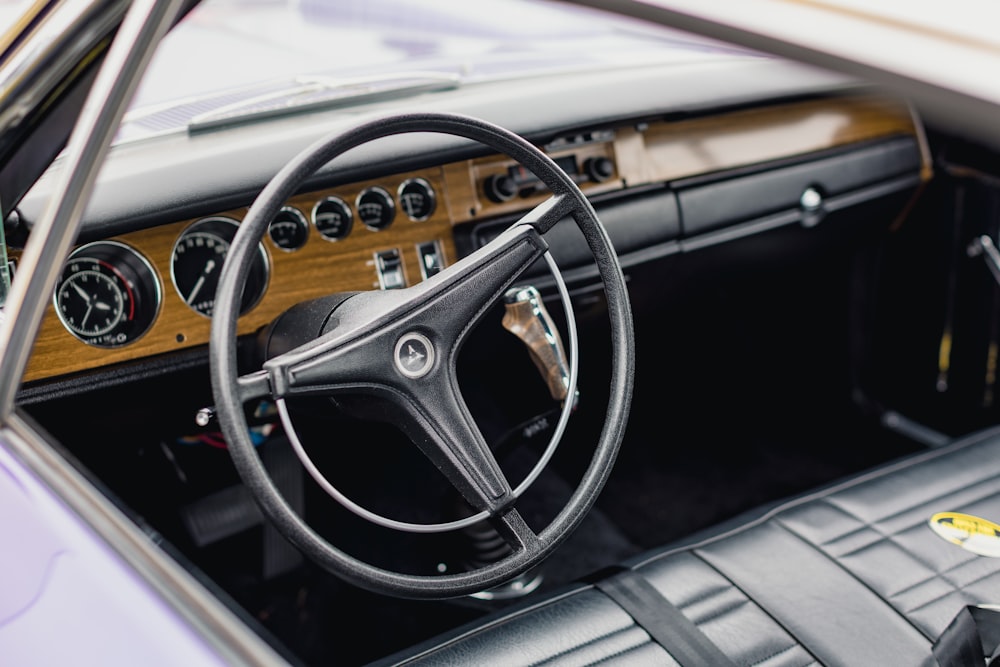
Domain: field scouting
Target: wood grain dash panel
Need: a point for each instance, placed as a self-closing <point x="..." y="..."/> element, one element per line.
<point x="320" y="267"/>
<point x="698" y="146"/>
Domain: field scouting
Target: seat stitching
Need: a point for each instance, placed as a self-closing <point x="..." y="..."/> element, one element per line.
<point x="702" y="598"/>
<point x="893" y="597"/>
<point x="618" y="654"/>
<point x="955" y="589"/>
<point x="916" y="557"/>
<point x="932" y="577"/>
<point x="810" y="662"/>
<point x="891" y="537"/>
<point x="867" y="524"/>
<point x="722" y="612"/>
<point x="773" y="655"/>
<point x="881" y="472"/>
<point x="766" y="612"/>
<point x="791" y="531"/>
<point x="595" y="640"/>
<point x="850" y="533"/>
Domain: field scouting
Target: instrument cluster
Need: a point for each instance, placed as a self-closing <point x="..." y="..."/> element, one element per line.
<point x="110" y="294"/>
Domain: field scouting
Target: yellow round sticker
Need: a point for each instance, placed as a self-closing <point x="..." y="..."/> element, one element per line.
<point x="972" y="533"/>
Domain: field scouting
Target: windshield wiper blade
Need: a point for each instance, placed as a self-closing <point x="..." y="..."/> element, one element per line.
<point x="310" y="93"/>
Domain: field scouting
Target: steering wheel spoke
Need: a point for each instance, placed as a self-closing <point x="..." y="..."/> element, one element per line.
<point x="253" y="386"/>
<point x="331" y="362"/>
<point x="516" y="532"/>
<point x="455" y="298"/>
<point x="441" y="426"/>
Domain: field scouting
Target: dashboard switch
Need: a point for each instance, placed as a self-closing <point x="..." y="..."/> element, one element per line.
<point x="389" y="267"/>
<point x="431" y="262"/>
<point x="599" y="169"/>
<point x="499" y="188"/>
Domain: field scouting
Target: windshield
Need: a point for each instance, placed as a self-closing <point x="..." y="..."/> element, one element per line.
<point x="235" y="60"/>
<point x="233" y="55"/>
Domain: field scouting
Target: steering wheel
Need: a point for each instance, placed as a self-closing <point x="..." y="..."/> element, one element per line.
<point x="360" y="349"/>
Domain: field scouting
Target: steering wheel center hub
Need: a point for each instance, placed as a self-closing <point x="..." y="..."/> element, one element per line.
<point x="414" y="355"/>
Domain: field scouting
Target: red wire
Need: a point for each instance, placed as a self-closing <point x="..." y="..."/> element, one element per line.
<point x="213" y="440"/>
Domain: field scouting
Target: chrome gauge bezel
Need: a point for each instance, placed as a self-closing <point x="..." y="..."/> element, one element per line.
<point x="136" y="275"/>
<point x="428" y="192"/>
<point x="223" y="229"/>
<point x="347" y="226"/>
<point x="301" y="223"/>
<point x="388" y="201"/>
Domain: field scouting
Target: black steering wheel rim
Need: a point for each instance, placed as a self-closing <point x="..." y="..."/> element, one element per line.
<point x="229" y="393"/>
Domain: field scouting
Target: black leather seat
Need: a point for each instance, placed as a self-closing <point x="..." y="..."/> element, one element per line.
<point x="849" y="575"/>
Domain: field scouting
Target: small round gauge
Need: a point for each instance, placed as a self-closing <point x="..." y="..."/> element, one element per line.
<point x="376" y="209"/>
<point x="417" y="199"/>
<point x="108" y="295"/>
<point x="333" y="218"/>
<point x="196" y="264"/>
<point x="289" y="229"/>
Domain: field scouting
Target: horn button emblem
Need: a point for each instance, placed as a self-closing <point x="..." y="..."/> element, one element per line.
<point x="414" y="355"/>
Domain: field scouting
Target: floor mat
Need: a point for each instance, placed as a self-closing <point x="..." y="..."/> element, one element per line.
<point x="665" y="488"/>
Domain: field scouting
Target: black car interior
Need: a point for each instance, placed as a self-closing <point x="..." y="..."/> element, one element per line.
<point x="813" y="287"/>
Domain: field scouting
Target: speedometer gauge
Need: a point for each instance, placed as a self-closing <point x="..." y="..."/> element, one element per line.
<point x="108" y="295"/>
<point x="197" y="260"/>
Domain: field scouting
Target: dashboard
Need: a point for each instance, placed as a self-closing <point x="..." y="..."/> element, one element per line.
<point x="149" y="292"/>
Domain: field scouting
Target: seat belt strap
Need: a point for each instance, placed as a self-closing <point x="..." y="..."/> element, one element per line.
<point x="664" y="622"/>
<point x="971" y="636"/>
